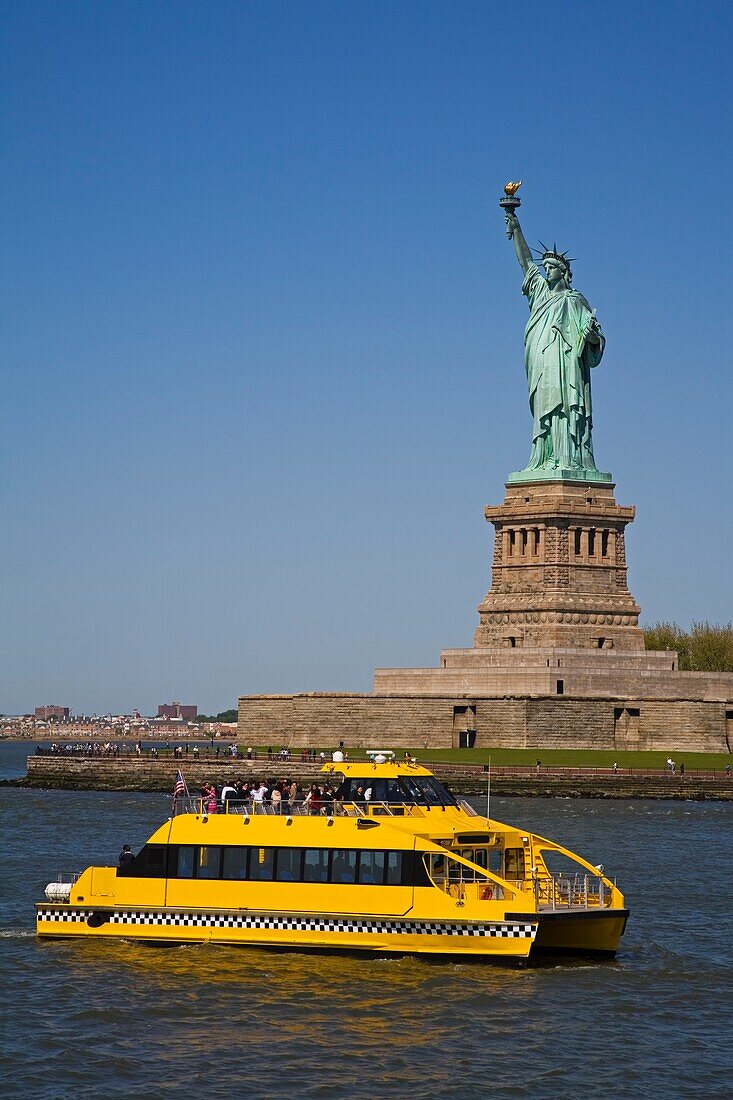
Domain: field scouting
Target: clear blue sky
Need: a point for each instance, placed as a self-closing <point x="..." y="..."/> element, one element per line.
<point x="263" y="328"/>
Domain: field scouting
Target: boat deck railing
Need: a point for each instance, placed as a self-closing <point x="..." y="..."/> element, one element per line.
<point x="68" y="876"/>
<point x="563" y="891"/>
<point x="302" y="808"/>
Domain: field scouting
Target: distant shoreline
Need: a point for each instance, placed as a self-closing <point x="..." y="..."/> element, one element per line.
<point x="65" y="734"/>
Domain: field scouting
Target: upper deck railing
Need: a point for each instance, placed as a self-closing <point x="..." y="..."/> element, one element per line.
<point x="301" y="808"/>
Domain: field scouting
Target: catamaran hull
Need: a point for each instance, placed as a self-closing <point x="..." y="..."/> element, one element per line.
<point x="588" y="933"/>
<point x="298" y="932"/>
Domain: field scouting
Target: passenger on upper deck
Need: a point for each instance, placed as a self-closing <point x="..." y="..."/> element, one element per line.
<point x="313" y="799"/>
<point x="227" y="792"/>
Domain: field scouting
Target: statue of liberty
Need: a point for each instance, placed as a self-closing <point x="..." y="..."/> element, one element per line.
<point x="562" y="341"/>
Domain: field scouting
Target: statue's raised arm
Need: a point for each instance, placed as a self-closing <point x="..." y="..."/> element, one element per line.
<point x="514" y="233"/>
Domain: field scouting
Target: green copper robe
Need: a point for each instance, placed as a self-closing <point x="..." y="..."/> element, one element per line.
<point x="558" y="358"/>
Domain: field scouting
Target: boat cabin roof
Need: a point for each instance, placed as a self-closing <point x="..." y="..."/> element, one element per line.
<point x="370" y="769"/>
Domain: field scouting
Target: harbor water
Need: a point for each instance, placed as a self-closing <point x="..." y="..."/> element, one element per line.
<point x="116" y="1019"/>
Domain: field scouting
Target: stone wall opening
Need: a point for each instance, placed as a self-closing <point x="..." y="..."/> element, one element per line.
<point x="464" y="726"/>
<point x="626" y="734"/>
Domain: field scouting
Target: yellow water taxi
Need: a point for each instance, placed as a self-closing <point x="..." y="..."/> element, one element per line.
<point x="393" y="863"/>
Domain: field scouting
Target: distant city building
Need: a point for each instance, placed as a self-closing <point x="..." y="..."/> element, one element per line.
<point x="45" y="713"/>
<point x="177" y="710"/>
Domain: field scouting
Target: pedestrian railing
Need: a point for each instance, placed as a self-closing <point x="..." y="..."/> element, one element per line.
<point x="103" y="754"/>
<point x="561" y="891"/>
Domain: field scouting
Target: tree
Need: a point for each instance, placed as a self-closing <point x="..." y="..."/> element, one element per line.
<point x="706" y="647"/>
<point x="222" y="716"/>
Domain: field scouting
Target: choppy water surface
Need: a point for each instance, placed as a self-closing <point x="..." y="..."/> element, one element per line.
<point x="119" y="1019"/>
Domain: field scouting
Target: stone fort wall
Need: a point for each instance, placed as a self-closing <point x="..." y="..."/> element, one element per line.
<point x="321" y="719"/>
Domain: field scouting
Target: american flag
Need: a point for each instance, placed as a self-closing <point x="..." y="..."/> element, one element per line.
<point x="179" y="787"/>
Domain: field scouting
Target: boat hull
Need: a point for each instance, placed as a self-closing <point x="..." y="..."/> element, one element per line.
<point x="585" y="932"/>
<point x="292" y="931"/>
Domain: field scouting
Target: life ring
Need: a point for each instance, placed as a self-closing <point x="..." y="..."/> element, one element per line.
<point x="487" y="893"/>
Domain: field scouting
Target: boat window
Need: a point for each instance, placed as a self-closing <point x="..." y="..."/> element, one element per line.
<point x="379" y="790"/>
<point x="349" y="788"/>
<point x="432" y="796"/>
<point x="315" y="865"/>
<point x="426" y="790"/>
<point x="514" y="863"/>
<point x="394" y="792"/>
<point x="413" y="791"/>
<point x="444" y="795"/>
<point x="423" y="789"/>
<point x="371" y="867"/>
<point x="394" y="868"/>
<point x="208" y="862"/>
<point x="185" y="861"/>
<point x="442" y="869"/>
<point x="148" y="863"/>
<point x="235" y="863"/>
<point x="363" y="867"/>
<point x="436" y="866"/>
<point x="457" y="872"/>
<point x="488" y="858"/>
<point x="262" y="864"/>
<point x="156" y="860"/>
<point x="470" y="854"/>
<point x="288" y="864"/>
<point x="343" y="867"/>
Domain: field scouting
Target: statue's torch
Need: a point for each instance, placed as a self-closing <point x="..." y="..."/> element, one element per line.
<point x="509" y="201"/>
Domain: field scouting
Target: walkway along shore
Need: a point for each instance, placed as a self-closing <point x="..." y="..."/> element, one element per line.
<point x="145" y="773"/>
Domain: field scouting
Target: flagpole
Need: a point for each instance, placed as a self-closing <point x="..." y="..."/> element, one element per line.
<point x="488" y="793"/>
<point x="180" y="783"/>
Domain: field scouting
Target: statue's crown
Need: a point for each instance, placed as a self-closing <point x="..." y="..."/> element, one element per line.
<point x="553" y="254"/>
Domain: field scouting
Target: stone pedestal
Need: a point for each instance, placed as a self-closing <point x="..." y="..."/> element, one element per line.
<point x="559" y="570"/>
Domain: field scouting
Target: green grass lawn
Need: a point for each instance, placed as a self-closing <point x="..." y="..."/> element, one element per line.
<point x="569" y="758"/>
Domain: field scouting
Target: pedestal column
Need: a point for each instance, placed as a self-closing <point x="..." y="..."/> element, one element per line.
<point x="556" y="597"/>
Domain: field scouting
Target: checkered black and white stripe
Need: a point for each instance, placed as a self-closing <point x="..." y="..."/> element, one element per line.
<point x="72" y="915"/>
<point x="159" y="918"/>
